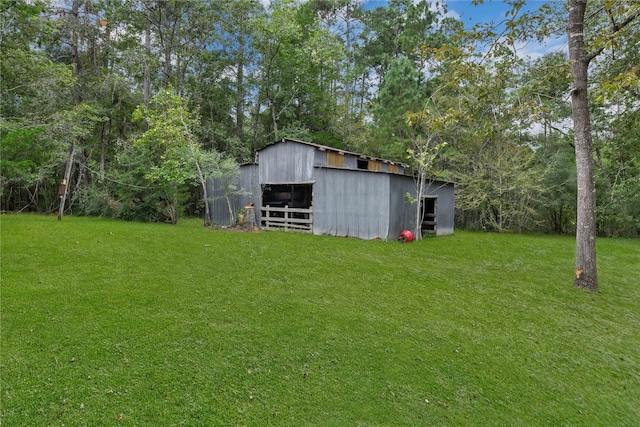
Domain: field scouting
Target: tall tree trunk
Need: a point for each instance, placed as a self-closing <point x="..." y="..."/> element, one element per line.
<point x="232" y="215"/>
<point x="75" y="8"/>
<point x="205" y="195"/>
<point x="64" y="187"/>
<point x="347" y="81"/>
<point x="363" y="93"/>
<point x="585" y="267"/>
<point x="240" y="89"/>
<point x="420" y="190"/>
<point x="254" y="126"/>
<point x="147" y="72"/>
<point x="274" y="117"/>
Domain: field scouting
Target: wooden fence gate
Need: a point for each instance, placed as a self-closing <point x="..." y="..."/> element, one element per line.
<point x="287" y="218"/>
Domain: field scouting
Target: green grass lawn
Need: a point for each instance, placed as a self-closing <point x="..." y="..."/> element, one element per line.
<point x="115" y="323"/>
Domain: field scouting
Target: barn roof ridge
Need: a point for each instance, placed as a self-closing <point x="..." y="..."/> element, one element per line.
<point x="336" y="150"/>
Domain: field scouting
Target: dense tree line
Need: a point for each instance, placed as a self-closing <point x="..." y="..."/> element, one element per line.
<point x="139" y="102"/>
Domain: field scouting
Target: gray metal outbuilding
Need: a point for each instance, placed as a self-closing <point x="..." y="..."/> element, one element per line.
<point x="296" y="185"/>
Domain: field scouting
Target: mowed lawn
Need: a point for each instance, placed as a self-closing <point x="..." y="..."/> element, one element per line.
<point x="115" y="323"/>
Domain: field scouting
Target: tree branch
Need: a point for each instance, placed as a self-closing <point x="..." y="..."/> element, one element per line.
<point x="616" y="28"/>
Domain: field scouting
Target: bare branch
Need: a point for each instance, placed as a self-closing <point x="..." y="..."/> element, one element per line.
<point x="616" y="28"/>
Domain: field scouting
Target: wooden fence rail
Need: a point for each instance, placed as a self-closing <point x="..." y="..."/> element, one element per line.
<point x="287" y="218"/>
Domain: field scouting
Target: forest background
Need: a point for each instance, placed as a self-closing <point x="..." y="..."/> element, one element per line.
<point x="135" y="103"/>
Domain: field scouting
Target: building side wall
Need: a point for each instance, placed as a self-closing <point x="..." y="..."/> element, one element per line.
<point x="217" y="203"/>
<point x="403" y="213"/>
<point x="252" y="189"/>
<point x="445" y="207"/>
<point x="286" y="162"/>
<point x="249" y="193"/>
<point x="320" y="158"/>
<point x="351" y="203"/>
<point x="350" y="162"/>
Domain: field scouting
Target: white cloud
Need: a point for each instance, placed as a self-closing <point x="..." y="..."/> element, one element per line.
<point x="533" y="49"/>
<point x="436" y="5"/>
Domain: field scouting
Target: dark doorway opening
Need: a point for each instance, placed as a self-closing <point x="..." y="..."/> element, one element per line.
<point x="292" y="195"/>
<point x="288" y="206"/>
<point x="429" y="215"/>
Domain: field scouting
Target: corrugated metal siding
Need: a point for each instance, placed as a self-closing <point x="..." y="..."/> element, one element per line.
<point x="445" y="207"/>
<point x="403" y="213"/>
<point x="286" y="162"/>
<point x="350" y="162"/>
<point x="248" y="183"/>
<point x="217" y="203"/>
<point x="320" y="158"/>
<point x="346" y="202"/>
<point x="351" y="203"/>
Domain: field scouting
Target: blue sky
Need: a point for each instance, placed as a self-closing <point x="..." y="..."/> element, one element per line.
<point x="492" y="11"/>
<point x="482" y="13"/>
